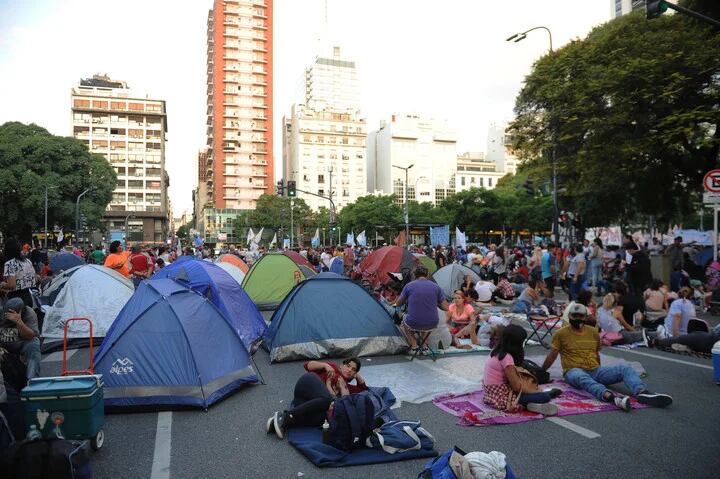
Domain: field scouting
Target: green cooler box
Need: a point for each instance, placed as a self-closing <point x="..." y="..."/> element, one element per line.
<point x="75" y="402"/>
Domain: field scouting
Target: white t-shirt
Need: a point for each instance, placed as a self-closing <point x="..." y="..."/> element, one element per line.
<point x="607" y="321"/>
<point x="686" y="309"/>
<point x="326" y="258"/>
<point x="484" y="290"/>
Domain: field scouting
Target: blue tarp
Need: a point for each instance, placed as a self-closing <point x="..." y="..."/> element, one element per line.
<point x="330" y="316"/>
<point x="308" y="440"/>
<point x="64" y="261"/>
<point x="218" y="286"/>
<point x="170" y="346"/>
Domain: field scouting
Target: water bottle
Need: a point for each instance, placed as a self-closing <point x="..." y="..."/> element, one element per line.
<point x="716" y="361"/>
<point x="326" y="432"/>
<point x="33" y="434"/>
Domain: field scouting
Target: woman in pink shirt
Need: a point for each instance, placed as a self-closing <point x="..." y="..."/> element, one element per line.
<point x="501" y="382"/>
<point x="461" y="321"/>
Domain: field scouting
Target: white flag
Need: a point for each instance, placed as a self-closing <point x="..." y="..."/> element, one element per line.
<point x="460" y="238"/>
<point x="250" y="236"/>
<point x="315" y="242"/>
<point x="258" y="237"/>
<point x="274" y="240"/>
<point x="361" y="239"/>
<point x="61" y="236"/>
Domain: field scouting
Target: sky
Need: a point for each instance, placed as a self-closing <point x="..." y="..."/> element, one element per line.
<point x="444" y="59"/>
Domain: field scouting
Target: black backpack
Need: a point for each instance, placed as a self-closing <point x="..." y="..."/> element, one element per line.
<point x="47" y="458"/>
<point x="542" y="376"/>
<point x="352" y="421"/>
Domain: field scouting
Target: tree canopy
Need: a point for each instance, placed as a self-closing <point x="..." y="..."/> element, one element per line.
<point x="632" y="113"/>
<point x="370" y="214"/>
<point x="30" y="159"/>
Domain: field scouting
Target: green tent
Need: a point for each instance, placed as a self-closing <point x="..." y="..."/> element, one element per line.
<point x="270" y="279"/>
<point x="428" y="262"/>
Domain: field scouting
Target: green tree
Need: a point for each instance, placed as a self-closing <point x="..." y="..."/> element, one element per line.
<point x="632" y="111"/>
<point x="476" y="210"/>
<point x="426" y="213"/>
<point x="273" y="213"/>
<point x="371" y="214"/>
<point x="183" y="232"/>
<point x="30" y="159"/>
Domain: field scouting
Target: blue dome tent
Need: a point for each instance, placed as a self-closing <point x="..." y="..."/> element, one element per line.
<point x="329" y="315"/>
<point x="170" y="347"/>
<point x="64" y="261"/>
<point x="218" y="286"/>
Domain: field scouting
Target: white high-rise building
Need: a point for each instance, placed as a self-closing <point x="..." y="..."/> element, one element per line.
<point x="128" y="129"/>
<point x="623" y="7"/>
<point x="499" y="149"/>
<point x="474" y="170"/>
<point x="429" y="145"/>
<point x="324" y="139"/>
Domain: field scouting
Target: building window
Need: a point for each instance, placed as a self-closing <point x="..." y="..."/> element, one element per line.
<point x="81" y="103"/>
<point x="462" y="180"/>
<point x="118" y="105"/>
<point x="100" y="104"/>
<point x="481" y="182"/>
<point x="321" y="192"/>
<point x="321" y="178"/>
<point x="136" y="106"/>
<point x="472" y="180"/>
<point x="489" y="181"/>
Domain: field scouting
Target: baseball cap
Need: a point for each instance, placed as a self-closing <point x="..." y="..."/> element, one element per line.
<point x="577" y="309"/>
<point x="14" y="304"/>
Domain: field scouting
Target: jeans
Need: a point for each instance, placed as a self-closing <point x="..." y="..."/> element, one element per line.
<point x="576" y="286"/>
<point x="595" y="271"/>
<point x="311" y="401"/>
<point x="31" y="350"/>
<point x="595" y="380"/>
<point x="538" y="398"/>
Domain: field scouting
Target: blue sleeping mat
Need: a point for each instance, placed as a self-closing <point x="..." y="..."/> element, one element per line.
<point x="308" y="440"/>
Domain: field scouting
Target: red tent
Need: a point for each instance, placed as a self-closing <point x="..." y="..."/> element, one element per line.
<point x="388" y="259"/>
<point x="299" y="259"/>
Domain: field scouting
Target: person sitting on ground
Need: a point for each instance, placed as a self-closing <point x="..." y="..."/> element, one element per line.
<point x="610" y="320"/>
<point x="461" y="321"/>
<point x="529" y="298"/>
<point x="678" y="279"/>
<point x="504" y="290"/>
<point x="681" y="311"/>
<point x="584" y="298"/>
<point x="19" y="334"/>
<point x="631" y="306"/>
<point x="484" y="289"/>
<point x="501" y="382"/>
<point x="655" y="300"/>
<point x="314" y="394"/>
<point x="423" y="297"/>
<point x="468" y="288"/>
<point x="579" y="350"/>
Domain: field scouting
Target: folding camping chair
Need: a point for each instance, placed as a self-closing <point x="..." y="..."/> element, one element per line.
<point x="542" y="326"/>
<point x="421" y="337"/>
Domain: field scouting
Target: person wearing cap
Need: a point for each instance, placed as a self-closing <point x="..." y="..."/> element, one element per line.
<point x="579" y="348"/>
<point x="19" y="334"/>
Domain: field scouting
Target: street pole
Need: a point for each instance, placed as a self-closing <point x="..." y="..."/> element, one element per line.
<point x="715" y="233"/>
<point x="407" y="214"/>
<point x="77" y="214"/>
<point x="292" y="227"/>
<point x="556" y="213"/>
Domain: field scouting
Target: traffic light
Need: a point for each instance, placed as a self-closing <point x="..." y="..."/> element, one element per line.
<point x="291" y="189"/>
<point x="83" y="221"/>
<point x="655" y="8"/>
<point x="281" y="188"/>
<point x="333" y="227"/>
<point x="528" y="185"/>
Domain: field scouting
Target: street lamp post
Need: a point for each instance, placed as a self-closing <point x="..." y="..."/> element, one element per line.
<point x="517" y="37"/>
<point x="77" y="213"/>
<point x="407" y="213"/>
<point x="46" y="211"/>
<point x="132" y="215"/>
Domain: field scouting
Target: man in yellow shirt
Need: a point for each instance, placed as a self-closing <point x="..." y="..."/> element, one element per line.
<point x="579" y="348"/>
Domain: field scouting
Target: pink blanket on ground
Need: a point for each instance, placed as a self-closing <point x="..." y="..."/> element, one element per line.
<point x="472" y="411"/>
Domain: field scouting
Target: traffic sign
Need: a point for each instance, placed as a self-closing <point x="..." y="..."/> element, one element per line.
<point x="710" y="198"/>
<point x="711" y="181"/>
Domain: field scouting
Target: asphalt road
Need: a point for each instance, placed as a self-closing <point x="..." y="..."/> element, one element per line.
<point x="229" y="441"/>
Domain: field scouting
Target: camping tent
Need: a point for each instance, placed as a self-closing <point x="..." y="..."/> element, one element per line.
<point x="330" y="316"/>
<point x="218" y="286"/>
<point x="65" y="261"/>
<point x="270" y="279"/>
<point x="337" y="266"/>
<point x="451" y="277"/>
<point x="233" y="260"/>
<point x="426" y="261"/>
<point x="170" y="346"/>
<point x="52" y="289"/>
<point x="233" y="271"/>
<point x="88" y="291"/>
<point x="299" y="259"/>
<point x="388" y="259"/>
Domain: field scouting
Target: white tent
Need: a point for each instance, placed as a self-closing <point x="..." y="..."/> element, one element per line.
<point x="93" y="292"/>
<point x="233" y="270"/>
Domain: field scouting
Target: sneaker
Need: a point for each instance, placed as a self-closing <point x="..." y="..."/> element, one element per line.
<point x="553" y="392"/>
<point x="645" y="340"/>
<point x="660" y="332"/>
<point x="414" y="351"/>
<point x="424" y="351"/>
<point x="680" y="348"/>
<point x="654" y="399"/>
<point x="545" y="409"/>
<point x="280" y="423"/>
<point x="269" y="424"/>
<point x="622" y="402"/>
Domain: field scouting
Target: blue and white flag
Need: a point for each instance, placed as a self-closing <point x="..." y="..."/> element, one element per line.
<point x="286" y="243"/>
<point x="440" y="235"/>
<point x="61" y="236"/>
<point x="315" y="242"/>
<point x="362" y="239"/>
<point x="460" y="239"/>
<point x="198" y="241"/>
<point x="350" y="239"/>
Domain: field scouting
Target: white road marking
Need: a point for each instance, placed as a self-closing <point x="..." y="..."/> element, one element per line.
<point x="680" y="361"/>
<point x="163" y="437"/>
<point x="57" y="356"/>
<point x="574" y="427"/>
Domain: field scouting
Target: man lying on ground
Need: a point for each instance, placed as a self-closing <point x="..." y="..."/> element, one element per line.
<point x="579" y="348"/>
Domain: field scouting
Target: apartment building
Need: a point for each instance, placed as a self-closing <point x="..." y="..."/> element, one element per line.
<point x="500" y="150"/>
<point x="474" y="170"/>
<point x="239" y="103"/>
<point x="129" y="130"/>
